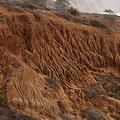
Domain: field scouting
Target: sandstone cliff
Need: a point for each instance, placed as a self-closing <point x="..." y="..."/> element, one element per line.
<point x="52" y="69"/>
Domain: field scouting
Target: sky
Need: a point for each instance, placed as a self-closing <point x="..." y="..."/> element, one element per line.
<point x="96" y="6"/>
<point x="93" y="6"/>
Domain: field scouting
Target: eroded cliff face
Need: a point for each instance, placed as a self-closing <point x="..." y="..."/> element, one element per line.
<point x="55" y="69"/>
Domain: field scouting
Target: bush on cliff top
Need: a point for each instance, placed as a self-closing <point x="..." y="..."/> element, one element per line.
<point x="73" y="11"/>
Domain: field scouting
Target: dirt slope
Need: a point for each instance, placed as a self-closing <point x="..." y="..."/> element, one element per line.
<point x="53" y="69"/>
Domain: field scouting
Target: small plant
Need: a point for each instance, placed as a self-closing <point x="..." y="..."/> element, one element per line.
<point x="73" y="11"/>
<point x="109" y="11"/>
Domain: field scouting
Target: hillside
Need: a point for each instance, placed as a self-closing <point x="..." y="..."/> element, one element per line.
<point x="57" y="69"/>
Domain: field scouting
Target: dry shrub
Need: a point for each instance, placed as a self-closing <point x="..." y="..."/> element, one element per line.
<point x="79" y="19"/>
<point x="3" y="3"/>
<point x="65" y="15"/>
<point x="12" y="61"/>
<point x="62" y="107"/>
<point x="36" y="13"/>
<point x="52" y="83"/>
<point x="97" y="24"/>
<point x="109" y="17"/>
<point x="7" y="114"/>
<point x="15" y="9"/>
<point x="93" y="92"/>
<point x="91" y="114"/>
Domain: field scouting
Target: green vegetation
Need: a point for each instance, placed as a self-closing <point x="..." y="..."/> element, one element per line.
<point x="73" y="11"/>
<point x="109" y="11"/>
